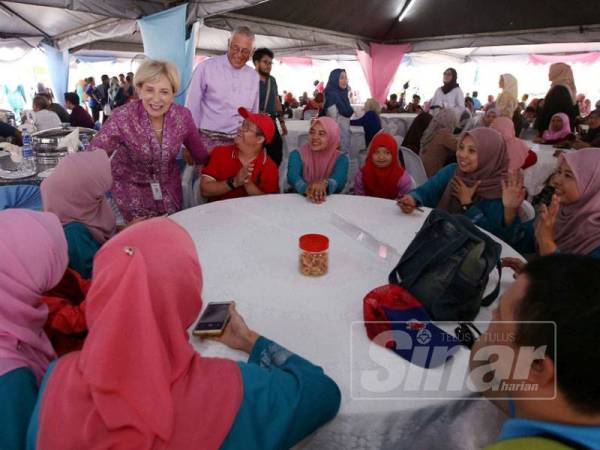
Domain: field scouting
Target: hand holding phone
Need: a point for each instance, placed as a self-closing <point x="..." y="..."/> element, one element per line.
<point x="213" y="320"/>
<point x="237" y="335"/>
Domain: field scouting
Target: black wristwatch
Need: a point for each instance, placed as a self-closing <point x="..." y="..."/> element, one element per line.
<point x="230" y="183"/>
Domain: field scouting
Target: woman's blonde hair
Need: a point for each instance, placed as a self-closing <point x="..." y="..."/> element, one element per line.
<point x="152" y="69"/>
<point x="372" y="105"/>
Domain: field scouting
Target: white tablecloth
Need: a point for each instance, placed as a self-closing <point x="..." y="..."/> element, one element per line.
<point x="297" y="112"/>
<point x="248" y="252"/>
<point x="397" y="124"/>
<point x="536" y="175"/>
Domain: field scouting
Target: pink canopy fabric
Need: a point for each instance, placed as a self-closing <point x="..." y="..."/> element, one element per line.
<point x="380" y="67"/>
<point x="296" y="61"/>
<point x="586" y="58"/>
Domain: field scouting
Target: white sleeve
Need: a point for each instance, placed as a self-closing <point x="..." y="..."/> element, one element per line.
<point x="460" y="99"/>
<point x="194" y="96"/>
<point x="438" y="98"/>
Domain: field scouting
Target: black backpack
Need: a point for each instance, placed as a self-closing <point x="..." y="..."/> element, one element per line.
<point x="447" y="267"/>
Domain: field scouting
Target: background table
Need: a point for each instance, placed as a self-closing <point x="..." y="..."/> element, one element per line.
<point x="248" y="249"/>
<point x="397" y="124"/>
<point x="7" y="164"/>
<point x="298" y="135"/>
<point x="537" y="175"/>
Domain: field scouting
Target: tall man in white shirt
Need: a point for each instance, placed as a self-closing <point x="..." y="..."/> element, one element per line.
<point x="220" y="86"/>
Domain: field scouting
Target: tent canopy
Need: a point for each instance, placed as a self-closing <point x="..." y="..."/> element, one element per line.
<point x="309" y="27"/>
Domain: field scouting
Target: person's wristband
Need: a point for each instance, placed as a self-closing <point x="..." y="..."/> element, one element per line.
<point x="230" y="183"/>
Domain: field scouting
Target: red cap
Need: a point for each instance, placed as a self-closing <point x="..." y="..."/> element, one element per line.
<point x="262" y="121"/>
<point x="314" y="243"/>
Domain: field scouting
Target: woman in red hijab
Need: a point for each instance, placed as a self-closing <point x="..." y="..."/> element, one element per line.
<point x="382" y="175"/>
<point x="138" y="383"/>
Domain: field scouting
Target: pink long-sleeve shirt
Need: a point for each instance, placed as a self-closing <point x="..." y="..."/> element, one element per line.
<point x="139" y="159"/>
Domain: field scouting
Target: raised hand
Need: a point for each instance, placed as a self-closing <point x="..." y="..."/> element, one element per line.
<point x="544" y="227"/>
<point x="513" y="190"/>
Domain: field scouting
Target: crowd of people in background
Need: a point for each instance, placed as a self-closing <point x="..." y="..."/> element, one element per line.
<point x="127" y="372"/>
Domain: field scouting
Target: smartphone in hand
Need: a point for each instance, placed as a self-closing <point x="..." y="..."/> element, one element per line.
<point x="213" y="320"/>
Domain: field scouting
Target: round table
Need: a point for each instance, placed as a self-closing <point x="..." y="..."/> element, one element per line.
<point x="248" y="250"/>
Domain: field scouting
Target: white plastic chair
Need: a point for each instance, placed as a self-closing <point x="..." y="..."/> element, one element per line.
<point x="187" y="186"/>
<point x="414" y="165"/>
<point x="526" y="211"/>
<point x="310" y="114"/>
<point x="302" y="139"/>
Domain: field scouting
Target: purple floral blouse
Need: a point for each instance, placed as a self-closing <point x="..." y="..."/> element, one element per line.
<point x="139" y="159"/>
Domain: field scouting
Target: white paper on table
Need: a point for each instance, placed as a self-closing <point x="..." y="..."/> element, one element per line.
<point x="71" y="141"/>
<point x="381" y="249"/>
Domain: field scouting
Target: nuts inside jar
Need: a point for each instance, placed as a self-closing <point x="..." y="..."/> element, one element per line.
<point x="313" y="264"/>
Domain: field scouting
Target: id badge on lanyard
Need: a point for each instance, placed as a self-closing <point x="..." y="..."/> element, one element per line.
<point x="156" y="190"/>
<point x="155" y="185"/>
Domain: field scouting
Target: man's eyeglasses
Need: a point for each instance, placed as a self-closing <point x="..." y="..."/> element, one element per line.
<point x="236" y="49"/>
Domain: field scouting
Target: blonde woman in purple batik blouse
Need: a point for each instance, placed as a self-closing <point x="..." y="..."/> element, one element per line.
<point x="144" y="137"/>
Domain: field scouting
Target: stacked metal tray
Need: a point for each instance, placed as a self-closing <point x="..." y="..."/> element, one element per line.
<point x="45" y="143"/>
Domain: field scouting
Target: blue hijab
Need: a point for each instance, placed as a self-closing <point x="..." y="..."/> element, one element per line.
<point x="335" y="95"/>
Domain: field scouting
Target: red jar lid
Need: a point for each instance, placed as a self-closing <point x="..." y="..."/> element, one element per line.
<point x="313" y="242"/>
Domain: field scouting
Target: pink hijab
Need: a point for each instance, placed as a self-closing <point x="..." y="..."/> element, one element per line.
<point x="76" y="190"/>
<point x="550" y="135"/>
<point x="516" y="148"/>
<point x="137" y="382"/>
<point x="492" y="167"/>
<point x="577" y="227"/>
<point x="34" y="259"/>
<point x="319" y="165"/>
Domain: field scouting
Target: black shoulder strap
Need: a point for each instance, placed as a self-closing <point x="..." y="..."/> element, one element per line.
<point x="488" y="299"/>
<point x="264" y="109"/>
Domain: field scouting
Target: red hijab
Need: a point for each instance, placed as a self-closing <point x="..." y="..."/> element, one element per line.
<point x="137" y="382"/>
<point x="382" y="182"/>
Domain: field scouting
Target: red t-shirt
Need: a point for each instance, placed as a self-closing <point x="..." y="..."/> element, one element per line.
<point x="224" y="163"/>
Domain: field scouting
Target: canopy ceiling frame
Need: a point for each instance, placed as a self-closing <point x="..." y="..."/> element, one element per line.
<point x="315" y="34"/>
<point x="32" y="25"/>
<point x="520" y="37"/>
<point x="117" y="9"/>
<point x="229" y="21"/>
<point x="121" y="16"/>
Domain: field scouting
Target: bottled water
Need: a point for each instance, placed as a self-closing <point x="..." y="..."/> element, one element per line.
<point x="28" y="163"/>
<point x="85" y="142"/>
